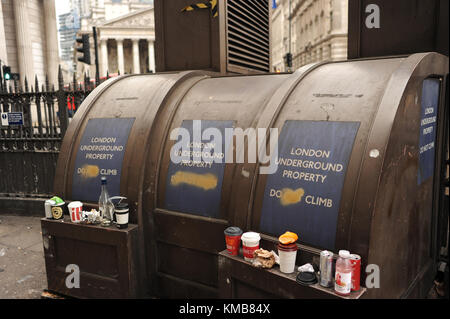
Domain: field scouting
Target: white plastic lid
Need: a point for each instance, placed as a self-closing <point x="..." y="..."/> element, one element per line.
<point x="251" y="236"/>
<point x="344" y="253"/>
<point x="75" y="204"/>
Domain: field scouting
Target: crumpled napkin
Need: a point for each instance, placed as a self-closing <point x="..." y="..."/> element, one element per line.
<point x="306" y="267"/>
<point x="277" y="258"/>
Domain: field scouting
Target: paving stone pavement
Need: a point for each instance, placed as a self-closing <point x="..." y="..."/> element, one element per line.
<point x="22" y="265"/>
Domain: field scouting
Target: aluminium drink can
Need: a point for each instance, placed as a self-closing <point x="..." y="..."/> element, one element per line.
<point x="355" y="260"/>
<point x="326" y="268"/>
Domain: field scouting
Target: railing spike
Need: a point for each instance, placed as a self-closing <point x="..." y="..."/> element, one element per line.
<point x="36" y="83"/>
<point x="74" y="80"/>
<point x="16" y="86"/>
<point x="47" y="85"/>
<point x="60" y="78"/>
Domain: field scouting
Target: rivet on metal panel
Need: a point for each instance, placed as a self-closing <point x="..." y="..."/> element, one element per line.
<point x="374" y="153"/>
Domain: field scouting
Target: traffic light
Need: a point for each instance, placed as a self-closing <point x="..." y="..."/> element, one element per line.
<point x="6" y="72"/>
<point x="85" y="49"/>
<point x="288" y="60"/>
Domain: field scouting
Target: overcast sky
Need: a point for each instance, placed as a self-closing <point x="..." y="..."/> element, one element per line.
<point x="62" y="6"/>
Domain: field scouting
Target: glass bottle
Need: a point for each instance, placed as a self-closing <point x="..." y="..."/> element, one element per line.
<point x="105" y="205"/>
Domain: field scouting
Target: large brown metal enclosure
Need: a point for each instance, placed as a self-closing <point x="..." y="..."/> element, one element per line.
<point x="236" y="40"/>
<point x="384" y="27"/>
<point x="375" y="124"/>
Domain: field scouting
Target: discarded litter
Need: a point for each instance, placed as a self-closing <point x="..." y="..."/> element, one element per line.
<point x="2" y="252"/>
<point x="306" y="268"/>
<point x="24" y="278"/>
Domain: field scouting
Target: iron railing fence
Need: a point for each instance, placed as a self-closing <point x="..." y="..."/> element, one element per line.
<point x="29" y="148"/>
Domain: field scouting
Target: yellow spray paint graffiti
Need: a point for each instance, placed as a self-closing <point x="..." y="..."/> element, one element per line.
<point x="89" y="171"/>
<point x="204" y="181"/>
<point x="290" y="196"/>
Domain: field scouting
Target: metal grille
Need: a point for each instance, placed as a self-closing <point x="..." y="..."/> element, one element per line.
<point x="248" y="35"/>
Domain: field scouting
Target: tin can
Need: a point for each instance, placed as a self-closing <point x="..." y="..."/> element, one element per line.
<point x="326" y="268"/>
<point x="48" y="208"/>
<point x="356" y="271"/>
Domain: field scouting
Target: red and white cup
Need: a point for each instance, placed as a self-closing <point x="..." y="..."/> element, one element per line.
<point x="250" y="243"/>
<point x="75" y="211"/>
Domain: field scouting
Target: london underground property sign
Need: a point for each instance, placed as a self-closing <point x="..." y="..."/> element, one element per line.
<point x="194" y="186"/>
<point x="304" y="194"/>
<point x="100" y="153"/>
<point x="427" y="137"/>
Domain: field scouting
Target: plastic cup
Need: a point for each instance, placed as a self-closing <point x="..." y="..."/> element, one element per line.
<point x="288" y="255"/>
<point x="75" y="211"/>
<point x="233" y="240"/>
<point x="250" y="243"/>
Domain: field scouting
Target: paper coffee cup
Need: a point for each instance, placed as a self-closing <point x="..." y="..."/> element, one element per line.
<point x="250" y="243"/>
<point x="58" y="208"/>
<point x="288" y="255"/>
<point x="75" y="211"/>
<point x="233" y="240"/>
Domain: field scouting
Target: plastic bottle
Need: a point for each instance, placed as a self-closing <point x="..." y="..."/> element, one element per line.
<point x="343" y="275"/>
<point x="105" y="205"/>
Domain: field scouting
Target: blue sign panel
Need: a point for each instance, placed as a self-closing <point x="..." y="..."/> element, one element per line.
<point x="194" y="185"/>
<point x="15" y="118"/>
<point x="303" y="196"/>
<point x="100" y="153"/>
<point x="427" y="138"/>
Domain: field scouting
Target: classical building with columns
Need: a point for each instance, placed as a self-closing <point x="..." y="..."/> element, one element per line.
<point x="125" y="45"/>
<point x="319" y="31"/>
<point x="29" y="39"/>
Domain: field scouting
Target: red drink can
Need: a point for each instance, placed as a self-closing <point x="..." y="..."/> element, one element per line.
<point x="356" y="271"/>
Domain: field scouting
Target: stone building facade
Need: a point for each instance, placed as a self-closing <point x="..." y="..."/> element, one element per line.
<point x="127" y="43"/>
<point x="125" y="36"/>
<point x="319" y="31"/>
<point x="29" y="38"/>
